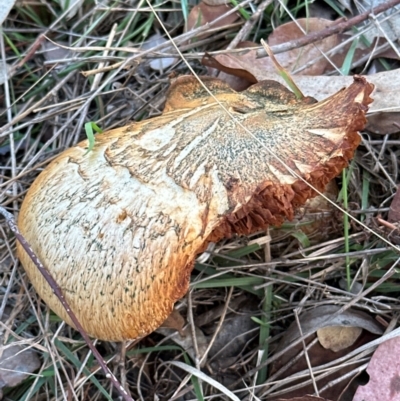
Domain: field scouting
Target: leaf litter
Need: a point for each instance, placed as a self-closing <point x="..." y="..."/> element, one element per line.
<point x="290" y="282"/>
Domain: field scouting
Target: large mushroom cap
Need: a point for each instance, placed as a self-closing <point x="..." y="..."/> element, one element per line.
<point x="119" y="227"/>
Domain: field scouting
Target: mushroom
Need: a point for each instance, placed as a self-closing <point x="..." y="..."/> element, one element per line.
<point x="119" y="227"/>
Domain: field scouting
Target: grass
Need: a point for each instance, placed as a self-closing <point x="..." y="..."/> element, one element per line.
<point x="51" y="106"/>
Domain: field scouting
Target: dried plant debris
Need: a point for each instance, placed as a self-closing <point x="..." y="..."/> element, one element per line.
<point x="17" y="362"/>
<point x="317" y="219"/>
<point x="197" y="175"/>
<point x="302" y="59"/>
<point x="326" y="316"/>
<point x="384" y="123"/>
<point x="385" y="97"/>
<point x="352" y="329"/>
<point x="304" y="398"/>
<point x="297" y="58"/>
<point x="205" y="13"/>
<point x="163" y="63"/>
<point x="240" y="71"/>
<point x="388" y="23"/>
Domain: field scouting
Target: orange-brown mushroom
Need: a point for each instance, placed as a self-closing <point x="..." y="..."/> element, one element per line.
<point x="120" y="226"/>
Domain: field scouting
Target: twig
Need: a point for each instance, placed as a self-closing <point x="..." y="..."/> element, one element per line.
<point x="332" y="30"/>
<point x="248" y="26"/>
<point x="57" y="291"/>
<point x="310" y="369"/>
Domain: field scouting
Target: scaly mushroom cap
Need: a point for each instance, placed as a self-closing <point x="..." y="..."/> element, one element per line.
<point x="119" y="227"/>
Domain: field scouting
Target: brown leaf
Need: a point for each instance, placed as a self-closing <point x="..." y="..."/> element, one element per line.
<point x="238" y="64"/>
<point x="314" y="320"/>
<point x="296" y="58"/>
<point x="387" y="83"/>
<point x="16" y="363"/>
<point x="230" y="66"/>
<point x="185" y="340"/>
<point x="174" y="321"/>
<point x="234" y="68"/>
<point x="384" y="374"/>
<point x="317" y="318"/>
<point x="317" y="356"/>
<point x="203" y="13"/>
<point x="384" y="123"/>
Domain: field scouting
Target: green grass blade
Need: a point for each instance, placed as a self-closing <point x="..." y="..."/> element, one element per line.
<point x="89" y="128"/>
<point x="185" y="9"/>
<point x="348" y="61"/>
<point x="74" y="360"/>
<point x="265" y="332"/>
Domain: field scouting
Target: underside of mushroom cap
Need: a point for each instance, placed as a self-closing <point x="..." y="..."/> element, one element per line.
<point x="306" y="144"/>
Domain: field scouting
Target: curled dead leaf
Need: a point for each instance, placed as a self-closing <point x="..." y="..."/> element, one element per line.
<point x="312" y="321"/>
<point x="247" y="64"/>
<point x="119" y="227"/>
<point x="318" y="318"/>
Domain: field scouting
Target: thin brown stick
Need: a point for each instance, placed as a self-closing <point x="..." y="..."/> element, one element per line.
<point x="57" y="291"/>
<point x="332" y="30"/>
<point x="248" y="26"/>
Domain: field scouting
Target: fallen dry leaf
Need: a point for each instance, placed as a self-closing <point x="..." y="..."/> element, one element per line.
<point x="296" y="58"/>
<point x="291" y="60"/>
<point x="16" y="363"/>
<point x="384" y="123"/>
<point x="384" y="374"/>
<point x="317" y="318"/>
<point x="337" y="338"/>
<point x="387" y="83"/>
<point x="174" y="321"/>
<point x="184" y="339"/>
<point x="311" y="321"/>
<point x="387" y="87"/>
<point x="203" y="13"/>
